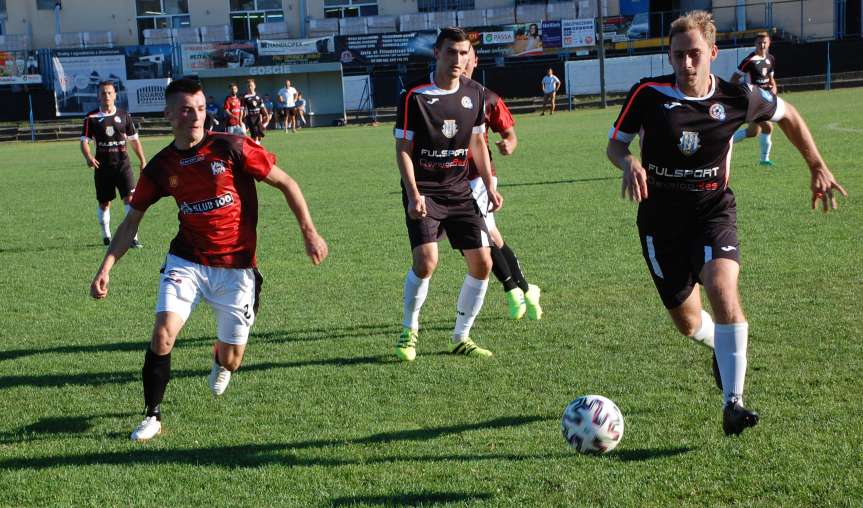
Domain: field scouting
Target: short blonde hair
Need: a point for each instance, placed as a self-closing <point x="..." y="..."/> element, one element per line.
<point x="695" y="20"/>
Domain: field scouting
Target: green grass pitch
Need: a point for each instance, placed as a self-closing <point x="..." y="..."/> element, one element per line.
<point x="322" y="415"/>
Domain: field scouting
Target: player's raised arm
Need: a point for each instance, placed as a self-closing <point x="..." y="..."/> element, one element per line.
<point x="119" y="246"/>
<point x="823" y="182"/>
<point x="479" y="150"/>
<point x="316" y="246"/>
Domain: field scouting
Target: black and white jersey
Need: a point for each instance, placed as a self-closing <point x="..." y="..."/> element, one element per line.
<point x="253" y="104"/>
<point x="109" y="131"/>
<point x="686" y="141"/>
<point x="759" y="68"/>
<point x="440" y="123"/>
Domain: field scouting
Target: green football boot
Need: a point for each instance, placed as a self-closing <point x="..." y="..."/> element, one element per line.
<point x="531" y="298"/>
<point x="406" y="346"/>
<point x="515" y="302"/>
<point x="467" y="347"/>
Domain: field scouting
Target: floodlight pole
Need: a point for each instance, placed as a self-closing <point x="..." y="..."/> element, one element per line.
<point x="600" y="41"/>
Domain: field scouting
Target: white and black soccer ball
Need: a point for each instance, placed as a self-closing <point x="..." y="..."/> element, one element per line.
<point x="592" y="424"/>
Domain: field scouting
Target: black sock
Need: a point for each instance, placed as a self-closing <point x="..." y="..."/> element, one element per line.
<point x="156" y="374"/>
<point x="500" y="268"/>
<point x="514" y="267"/>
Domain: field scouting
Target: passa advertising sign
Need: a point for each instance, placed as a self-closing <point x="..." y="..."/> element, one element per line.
<point x="491" y="38"/>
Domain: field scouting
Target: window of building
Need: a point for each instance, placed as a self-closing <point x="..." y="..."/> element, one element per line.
<point x="350" y="8"/>
<point x="161" y="14"/>
<point x="46" y="5"/>
<point x="444" y="5"/>
<point x="246" y="15"/>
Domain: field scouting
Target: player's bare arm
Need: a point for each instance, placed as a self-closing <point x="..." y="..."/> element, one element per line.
<point x="479" y="149"/>
<point x="88" y="155"/>
<point x="773" y="86"/>
<point x="823" y="182"/>
<point x="316" y="246"/>
<point x="416" y="201"/>
<point x="119" y="246"/>
<point x="138" y="148"/>
<point x="508" y="142"/>
<point x="634" y="182"/>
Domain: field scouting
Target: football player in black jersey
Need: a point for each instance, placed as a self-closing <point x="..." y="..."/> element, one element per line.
<point x="257" y="117"/>
<point x="759" y="66"/>
<point x="687" y="214"/>
<point x="111" y="129"/>
<point x="438" y="119"/>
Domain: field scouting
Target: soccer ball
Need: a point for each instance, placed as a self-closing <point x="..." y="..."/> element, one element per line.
<point x="592" y="424"/>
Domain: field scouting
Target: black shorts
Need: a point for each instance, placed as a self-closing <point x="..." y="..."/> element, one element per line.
<point x="255" y="125"/>
<point x="675" y="257"/>
<point x="459" y="219"/>
<point x="108" y="178"/>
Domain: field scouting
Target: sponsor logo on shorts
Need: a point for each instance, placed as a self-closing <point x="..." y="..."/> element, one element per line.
<point x="191" y="160"/>
<point x="449" y="128"/>
<point x="689" y="143"/>
<point x="207" y="205"/>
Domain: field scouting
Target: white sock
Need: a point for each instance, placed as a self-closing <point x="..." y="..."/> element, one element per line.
<point x="416" y="290"/>
<point x="740" y="135"/>
<point x="126" y="208"/>
<point x="766" y="144"/>
<point x="704" y="334"/>
<point x="104" y="217"/>
<point x="469" y="304"/>
<point x="731" y="342"/>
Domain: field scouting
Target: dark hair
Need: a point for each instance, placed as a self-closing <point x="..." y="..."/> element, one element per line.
<point x="107" y="82"/>
<point x="762" y="35"/>
<point x="183" y="85"/>
<point x="452" y="33"/>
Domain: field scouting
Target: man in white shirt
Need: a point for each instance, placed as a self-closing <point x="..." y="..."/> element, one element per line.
<point x="288" y="99"/>
<point x="550" y="84"/>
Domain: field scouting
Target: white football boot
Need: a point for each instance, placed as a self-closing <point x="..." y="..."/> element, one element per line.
<point x="147" y="429"/>
<point x="219" y="379"/>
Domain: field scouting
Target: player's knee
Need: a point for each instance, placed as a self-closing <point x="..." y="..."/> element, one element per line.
<point x="687" y="328"/>
<point x="162" y="341"/>
<point x="232" y="363"/>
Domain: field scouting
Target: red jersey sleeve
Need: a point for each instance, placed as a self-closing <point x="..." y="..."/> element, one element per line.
<point x="256" y="160"/>
<point x="500" y="119"/>
<point x="147" y="192"/>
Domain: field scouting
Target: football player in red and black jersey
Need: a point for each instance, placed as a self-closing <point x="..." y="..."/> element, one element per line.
<point x="759" y="66"/>
<point x="212" y="177"/>
<point x="521" y="297"/>
<point x="111" y="129"/>
<point x="687" y="213"/>
<point x="438" y="119"/>
<point x="234" y="112"/>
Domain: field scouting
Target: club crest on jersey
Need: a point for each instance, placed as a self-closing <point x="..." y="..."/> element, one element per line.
<point x="717" y="112"/>
<point x="117" y="119"/>
<point x="109" y="130"/>
<point x="173" y="181"/>
<point x="217" y="167"/>
<point x="449" y="128"/>
<point x="689" y="143"/>
<point x="466" y="102"/>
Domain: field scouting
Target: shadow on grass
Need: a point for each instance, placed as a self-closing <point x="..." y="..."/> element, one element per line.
<point x="641" y="454"/>
<point x="256" y="455"/>
<point x="104" y="378"/>
<point x="67" y="426"/>
<point x="415" y="499"/>
<point x="42" y="248"/>
<point x="282" y="336"/>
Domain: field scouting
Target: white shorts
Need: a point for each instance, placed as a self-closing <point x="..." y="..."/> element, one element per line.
<point x="229" y="291"/>
<point x="239" y="130"/>
<point x="480" y="195"/>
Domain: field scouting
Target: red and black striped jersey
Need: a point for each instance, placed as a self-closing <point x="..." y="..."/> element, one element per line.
<point x="686" y="141"/>
<point x="213" y="184"/>
<point x="440" y="124"/>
